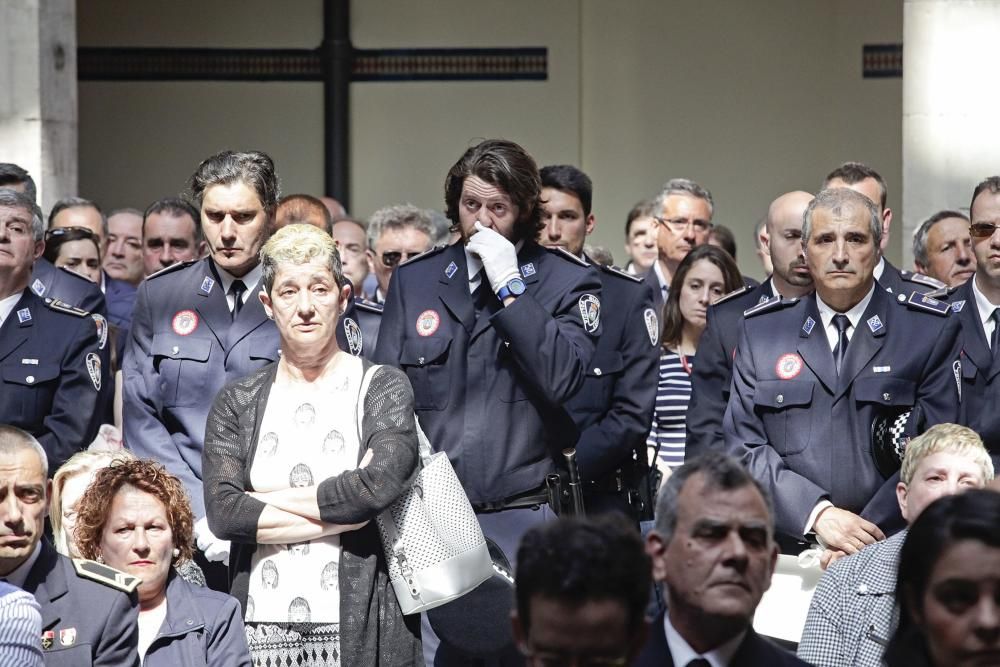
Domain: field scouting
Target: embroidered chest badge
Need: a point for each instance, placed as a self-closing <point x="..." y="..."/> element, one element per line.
<point x="428" y="322"/>
<point x="788" y="366"/>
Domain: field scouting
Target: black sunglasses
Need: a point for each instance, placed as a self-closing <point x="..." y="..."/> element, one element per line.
<point x="76" y="233"/>
<point x="982" y="229"/>
<point x="393" y="257"/>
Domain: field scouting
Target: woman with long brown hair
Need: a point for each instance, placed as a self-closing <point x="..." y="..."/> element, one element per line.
<point x="705" y="275"/>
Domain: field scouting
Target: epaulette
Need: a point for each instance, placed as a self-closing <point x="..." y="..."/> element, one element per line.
<point x="173" y="267"/>
<point x="615" y="271"/>
<point x="921" y="279"/>
<point x="918" y="301"/>
<point x="104" y="574"/>
<point x="566" y="254"/>
<point x="63" y="307"/>
<point x="731" y="295"/>
<point x="777" y="303"/>
<point x="424" y="255"/>
<point x="370" y="306"/>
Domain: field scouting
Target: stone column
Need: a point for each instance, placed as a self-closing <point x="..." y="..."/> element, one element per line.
<point x="38" y="112"/>
<point x="951" y="139"/>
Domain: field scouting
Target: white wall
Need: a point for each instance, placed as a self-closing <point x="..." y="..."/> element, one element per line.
<point x="751" y="99"/>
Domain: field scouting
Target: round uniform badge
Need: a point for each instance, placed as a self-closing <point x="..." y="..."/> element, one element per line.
<point x="788" y="366"/>
<point x="428" y="322"/>
<point x="184" y="322"/>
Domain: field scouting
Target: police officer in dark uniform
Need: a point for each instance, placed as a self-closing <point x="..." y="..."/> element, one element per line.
<point x="89" y="610"/>
<point x="53" y="357"/>
<point x="975" y="305"/>
<point x="713" y="374"/>
<point x="862" y="178"/>
<point x="614" y="408"/>
<point x="495" y="333"/>
<point x="368" y="315"/>
<point x="814" y="375"/>
<point x="51" y="282"/>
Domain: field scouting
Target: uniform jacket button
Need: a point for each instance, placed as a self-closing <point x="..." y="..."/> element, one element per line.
<point x="886" y="396"/>
<point x="30" y="379"/>
<point x="781" y="398"/>
<point x="597" y="371"/>
<point x="420" y="360"/>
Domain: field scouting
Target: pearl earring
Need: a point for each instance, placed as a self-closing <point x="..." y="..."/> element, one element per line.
<point x="177" y="552"/>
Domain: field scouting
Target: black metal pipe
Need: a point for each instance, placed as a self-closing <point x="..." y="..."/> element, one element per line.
<point x="337" y="55"/>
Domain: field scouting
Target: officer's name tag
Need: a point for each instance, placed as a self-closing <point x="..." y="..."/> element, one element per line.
<point x="881" y="369"/>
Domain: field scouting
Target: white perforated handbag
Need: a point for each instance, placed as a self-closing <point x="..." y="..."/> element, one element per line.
<point x="433" y="544"/>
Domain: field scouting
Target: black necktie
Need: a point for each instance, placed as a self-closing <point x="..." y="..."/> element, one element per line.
<point x="237" y="289"/>
<point x="699" y="662"/>
<point x="995" y="339"/>
<point x="841" y="322"/>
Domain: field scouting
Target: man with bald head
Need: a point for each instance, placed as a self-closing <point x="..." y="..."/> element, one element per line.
<point x="303" y="209"/>
<point x="781" y="238"/>
<point x="336" y="209"/>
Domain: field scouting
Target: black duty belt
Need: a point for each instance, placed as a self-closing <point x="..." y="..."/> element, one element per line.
<point x="527" y="499"/>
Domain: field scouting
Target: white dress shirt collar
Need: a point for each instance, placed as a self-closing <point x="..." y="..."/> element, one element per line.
<point x="983" y="305"/>
<point x="854" y="315"/>
<point x="20" y="574"/>
<point x="251" y="279"/>
<point x="662" y="279"/>
<point x="879" y="268"/>
<point x="7" y="305"/>
<point x="682" y="653"/>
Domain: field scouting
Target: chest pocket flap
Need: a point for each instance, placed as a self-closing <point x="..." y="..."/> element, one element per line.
<point x="885" y="391"/>
<point x="29" y="374"/>
<point x="605" y="363"/>
<point x="422" y="353"/>
<point x="173" y="346"/>
<point x="778" y="394"/>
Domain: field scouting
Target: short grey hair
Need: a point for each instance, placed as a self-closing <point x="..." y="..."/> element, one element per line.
<point x="14" y="440"/>
<point x="683" y="186"/>
<point x="254" y="168"/>
<point x="399" y="216"/>
<point x="836" y="200"/>
<point x="924" y="230"/>
<point x="14" y="199"/>
<point x="721" y="472"/>
<point x="78" y="202"/>
<point x="12" y="174"/>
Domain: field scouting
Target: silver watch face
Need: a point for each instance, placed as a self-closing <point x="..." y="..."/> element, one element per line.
<point x="516" y="286"/>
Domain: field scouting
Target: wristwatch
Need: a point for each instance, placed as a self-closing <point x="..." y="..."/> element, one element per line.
<point x="515" y="287"/>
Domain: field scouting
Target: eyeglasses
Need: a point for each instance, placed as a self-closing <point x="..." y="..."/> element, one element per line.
<point x="393" y="257"/>
<point x="982" y="230"/>
<point x="679" y="225"/>
<point x="76" y="232"/>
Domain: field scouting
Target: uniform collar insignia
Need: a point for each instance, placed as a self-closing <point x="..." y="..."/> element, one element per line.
<point x="807" y="327"/>
<point x="875" y="324"/>
<point x="24" y="315"/>
<point x="451" y="269"/>
<point x="958" y="306"/>
<point x="206" y="285"/>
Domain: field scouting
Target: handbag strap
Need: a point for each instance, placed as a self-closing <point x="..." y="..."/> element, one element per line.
<point x="423" y="444"/>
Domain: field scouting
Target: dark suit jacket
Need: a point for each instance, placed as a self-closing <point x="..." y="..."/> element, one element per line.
<point x="120" y="297"/>
<point x="92" y="623"/>
<point x="755" y="651"/>
<point x="804" y="432"/>
<point x="903" y="282"/>
<point x="47" y="281"/>
<point x="979" y="368"/>
<point x="54" y="379"/>
<point x="654" y="284"/>
<point x="713" y="369"/>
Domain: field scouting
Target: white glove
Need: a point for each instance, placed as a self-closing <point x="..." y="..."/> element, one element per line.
<point x="498" y="255"/>
<point x="215" y="550"/>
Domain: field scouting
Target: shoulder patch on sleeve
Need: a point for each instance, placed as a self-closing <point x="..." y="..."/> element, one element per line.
<point x="918" y="301"/>
<point x="777" y="303"/>
<point x="424" y="255"/>
<point x="922" y="279"/>
<point x="567" y="255"/>
<point x="63" y="307"/>
<point x="735" y="293"/>
<point x="104" y="574"/>
<point x="369" y="306"/>
<point x="615" y="271"/>
<point x="173" y="267"/>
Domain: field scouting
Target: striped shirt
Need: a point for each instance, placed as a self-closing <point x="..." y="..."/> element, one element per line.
<point x="673" y="393"/>
<point x="20" y="628"/>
